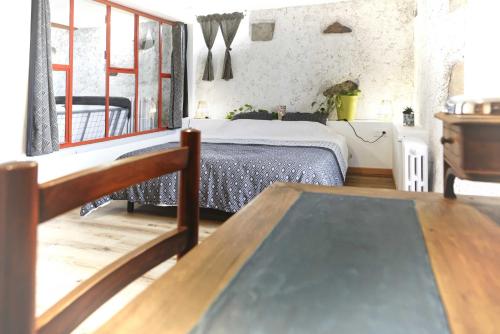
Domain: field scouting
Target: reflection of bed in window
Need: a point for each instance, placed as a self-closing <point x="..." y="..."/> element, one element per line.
<point x="89" y="115"/>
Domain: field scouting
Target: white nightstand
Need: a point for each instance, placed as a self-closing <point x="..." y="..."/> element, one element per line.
<point x="365" y="155"/>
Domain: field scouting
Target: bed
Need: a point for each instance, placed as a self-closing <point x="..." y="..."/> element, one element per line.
<point x="239" y="159"/>
<point x="88" y="117"/>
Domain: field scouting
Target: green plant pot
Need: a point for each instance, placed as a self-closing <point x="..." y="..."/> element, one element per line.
<point x="346" y="107"/>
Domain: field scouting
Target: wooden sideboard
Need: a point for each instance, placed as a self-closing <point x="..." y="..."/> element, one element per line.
<point x="471" y="145"/>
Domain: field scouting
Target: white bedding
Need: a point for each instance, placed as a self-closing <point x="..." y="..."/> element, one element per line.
<point x="232" y="175"/>
<point x="275" y="132"/>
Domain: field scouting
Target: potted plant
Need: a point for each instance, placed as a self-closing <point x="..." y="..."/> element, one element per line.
<point x="344" y="97"/>
<point x="408" y="117"/>
<point x="326" y="107"/>
<point x="248" y="108"/>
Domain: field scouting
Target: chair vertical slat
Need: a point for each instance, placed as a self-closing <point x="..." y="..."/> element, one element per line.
<point x="188" y="213"/>
<point x="23" y="202"/>
<point x="18" y="226"/>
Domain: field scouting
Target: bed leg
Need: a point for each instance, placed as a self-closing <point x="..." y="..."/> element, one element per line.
<point x="130" y="207"/>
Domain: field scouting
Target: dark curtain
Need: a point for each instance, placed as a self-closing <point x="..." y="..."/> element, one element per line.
<point x="229" y="24"/>
<point x="179" y="83"/>
<point x="185" y="110"/>
<point x="42" y="131"/>
<point x="210" y="28"/>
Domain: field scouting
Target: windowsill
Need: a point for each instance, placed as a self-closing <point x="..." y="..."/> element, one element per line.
<point x="112" y="143"/>
<point x="362" y="121"/>
<point x="402" y="131"/>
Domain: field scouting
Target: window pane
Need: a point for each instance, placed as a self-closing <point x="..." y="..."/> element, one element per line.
<point x="89" y="76"/>
<point x="165" y="101"/>
<point x="166" y="48"/>
<point x="149" y="54"/>
<point x="59" y="83"/>
<point x="59" y="40"/>
<point x="121" y="103"/>
<point x="122" y="39"/>
<point x="59" y="31"/>
<point x="59" y="11"/>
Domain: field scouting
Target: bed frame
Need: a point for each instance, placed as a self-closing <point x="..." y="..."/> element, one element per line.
<point x="24" y="204"/>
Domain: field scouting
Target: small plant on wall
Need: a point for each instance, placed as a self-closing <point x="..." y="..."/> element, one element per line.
<point x="408" y="117"/>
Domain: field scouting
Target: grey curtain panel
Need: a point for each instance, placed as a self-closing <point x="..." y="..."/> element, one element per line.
<point x="210" y="28"/>
<point x="179" y="94"/>
<point x="42" y="136"/>
<point x="185" y="112"/>
<point x="229" y="24"/>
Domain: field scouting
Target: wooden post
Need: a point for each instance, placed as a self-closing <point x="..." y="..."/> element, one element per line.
<point x="188" y="209"/>
<point x="130" y="207"/>
<point x="18" y="226"/>
<point x="449" y="181"/>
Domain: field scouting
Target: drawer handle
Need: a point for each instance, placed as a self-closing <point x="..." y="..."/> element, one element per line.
<point x="446" y="140"/>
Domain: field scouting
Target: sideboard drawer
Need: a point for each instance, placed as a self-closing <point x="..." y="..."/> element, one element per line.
<point x="471" y="146"/>
<point x="452" y="141"/>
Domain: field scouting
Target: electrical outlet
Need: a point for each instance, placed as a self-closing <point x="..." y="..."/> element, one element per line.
<point x="378" y="134"/>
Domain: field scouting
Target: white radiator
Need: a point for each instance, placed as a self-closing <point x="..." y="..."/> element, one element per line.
<point x="414" y="165"/>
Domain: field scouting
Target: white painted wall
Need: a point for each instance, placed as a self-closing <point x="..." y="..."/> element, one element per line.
<point x="301" y="61"/>
<point x="482" y="71"/>
<point x="482" y="51"/>
<point x="367" y="155"/>
<point x="14" y="78"/>
<point x="439" y="43"/>
<point x="442" y="38"/>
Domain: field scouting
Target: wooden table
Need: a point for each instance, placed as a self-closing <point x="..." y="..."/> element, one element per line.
<point x="471" y="145"/>
<point x="462" y="238"/>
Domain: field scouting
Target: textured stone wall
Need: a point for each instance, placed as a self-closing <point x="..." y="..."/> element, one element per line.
<point x="439" y="43"/>
<point x="448" y="32"/>
<point x="301" y="61"/>
<point x="454" y="4"/>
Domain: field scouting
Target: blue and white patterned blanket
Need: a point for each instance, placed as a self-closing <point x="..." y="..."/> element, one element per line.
<point x="232" y="174"/>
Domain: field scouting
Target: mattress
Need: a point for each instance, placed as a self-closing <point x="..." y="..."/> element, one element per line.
<point x="239" y="159"/>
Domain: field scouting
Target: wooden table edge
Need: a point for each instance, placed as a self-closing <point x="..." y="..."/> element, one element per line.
<point x="285" y="195"/>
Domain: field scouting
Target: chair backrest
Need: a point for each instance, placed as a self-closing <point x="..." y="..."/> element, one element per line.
<point x="24" y="204"/>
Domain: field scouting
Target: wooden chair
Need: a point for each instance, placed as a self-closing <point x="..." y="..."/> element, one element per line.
<point x="24" y="203"/>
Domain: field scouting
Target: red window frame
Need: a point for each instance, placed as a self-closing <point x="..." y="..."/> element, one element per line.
<point x="68" y="68"/>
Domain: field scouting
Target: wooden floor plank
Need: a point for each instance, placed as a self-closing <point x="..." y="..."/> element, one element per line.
<point x="364" y="181"/>
<point x="72" y="248"/>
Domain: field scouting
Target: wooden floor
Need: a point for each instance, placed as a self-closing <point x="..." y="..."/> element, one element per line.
<point x="370" y="181"/>
<point x="72" y="248"/>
